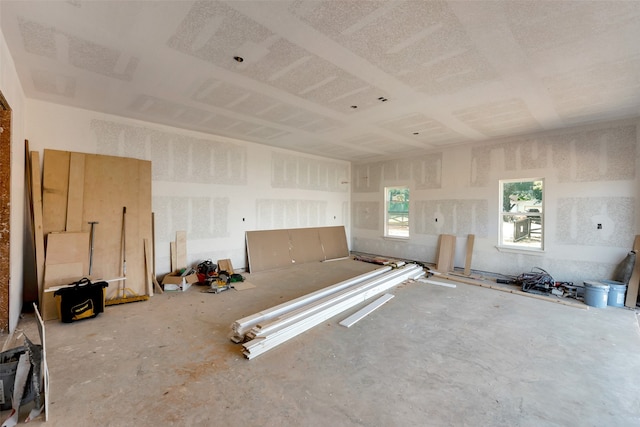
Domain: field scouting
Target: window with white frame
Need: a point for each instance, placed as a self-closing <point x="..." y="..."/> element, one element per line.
<point x="396" y="212"/>
<point x="522" y="213"/>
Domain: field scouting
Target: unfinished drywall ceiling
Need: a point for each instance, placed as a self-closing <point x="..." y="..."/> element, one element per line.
<point x="363" y="81"/>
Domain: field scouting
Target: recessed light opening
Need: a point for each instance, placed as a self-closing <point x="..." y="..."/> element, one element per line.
<point x="238" y="58"/>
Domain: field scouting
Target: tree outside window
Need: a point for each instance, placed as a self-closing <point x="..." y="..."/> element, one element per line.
<point x="396" y="212"/>
<point x="522" y="213"/>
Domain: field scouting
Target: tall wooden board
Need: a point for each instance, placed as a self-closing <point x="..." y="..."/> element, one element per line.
<point x="634" y="281"/>
<point x="111" y="184"/>
<point x="55" y="187"/>
<point x="467" y="261"/>
<point x="76" y="192"/>
<point x="148" y="268"/>
<point x="36" y="188"/>
<point x="81" y="188"/>
<point x="181" y="250"/>
<point x="446" y="253"/>
<point x="30" y="288"/>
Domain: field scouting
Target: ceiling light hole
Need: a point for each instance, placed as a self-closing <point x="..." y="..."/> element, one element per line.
<point x="238" y="58"/>
<point x="416" y="133"/>
<point x="354" y="106"/>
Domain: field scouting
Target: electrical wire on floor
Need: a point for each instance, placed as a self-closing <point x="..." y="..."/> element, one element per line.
<point x="538" y="281"/>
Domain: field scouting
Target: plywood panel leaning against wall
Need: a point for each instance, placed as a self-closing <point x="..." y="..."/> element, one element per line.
<point x="305" y="245"/>
<point x="268" y="249"/>
<point x="67" y="260"/>
<point x="334" y="242"/>
<point x="55" y="187"/>
<point x="446" y="253"/>
<point x="631" y="298"/>
<point x="111" y="186"/>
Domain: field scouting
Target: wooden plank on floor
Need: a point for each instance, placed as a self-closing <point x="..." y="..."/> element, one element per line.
<point x="446" y="253"/>
<point x="634" y="282"/>
<point x="365" y="311"/>
<point x="76" y="192"/>
<point x="467" y="261"/>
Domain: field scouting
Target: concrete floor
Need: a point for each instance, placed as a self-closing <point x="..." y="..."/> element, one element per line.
<point x="432" y="356"/>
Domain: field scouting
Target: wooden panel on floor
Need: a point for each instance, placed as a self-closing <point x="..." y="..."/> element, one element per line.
<point x="55" y="185"/>
<point x="268" y="249"/>
<point x="446" y="253"/>
<point x="634" y="282"/>
<point x="467" y="261"/>
<point x="334" y="242"/>
<point x="76" y="192"/>
<point x="305" y="245"/>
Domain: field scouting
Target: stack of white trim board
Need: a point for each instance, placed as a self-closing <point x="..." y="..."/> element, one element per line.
<point x="267" y="329"/>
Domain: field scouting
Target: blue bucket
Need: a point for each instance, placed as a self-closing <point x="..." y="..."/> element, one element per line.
<point x="596" y="294"/>
<point x="617" y="292"/>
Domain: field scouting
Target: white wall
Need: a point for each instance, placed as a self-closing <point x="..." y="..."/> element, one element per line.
<point x="13" y="93"/>
<point x="215" y="188"/>
<point x="591" y="176"/>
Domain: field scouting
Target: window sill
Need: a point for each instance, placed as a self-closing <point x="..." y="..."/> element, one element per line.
<point x="519" y="250"/>
<point x="396" y="238"/>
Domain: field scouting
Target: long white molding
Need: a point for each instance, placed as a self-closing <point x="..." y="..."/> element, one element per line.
<point x="240" y="327"/>
<point x="365" y="311"/>
<point x="273" y="333"/>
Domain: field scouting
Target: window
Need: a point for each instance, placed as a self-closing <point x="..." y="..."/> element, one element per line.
<point x="396" y="212"/>
<point x="522" y="213"/>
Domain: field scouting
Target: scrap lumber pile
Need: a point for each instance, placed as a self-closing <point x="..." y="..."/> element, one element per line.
<point x="270" y="328"/>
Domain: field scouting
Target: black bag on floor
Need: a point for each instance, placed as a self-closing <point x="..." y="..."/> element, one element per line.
<point x="82" y="300"/>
